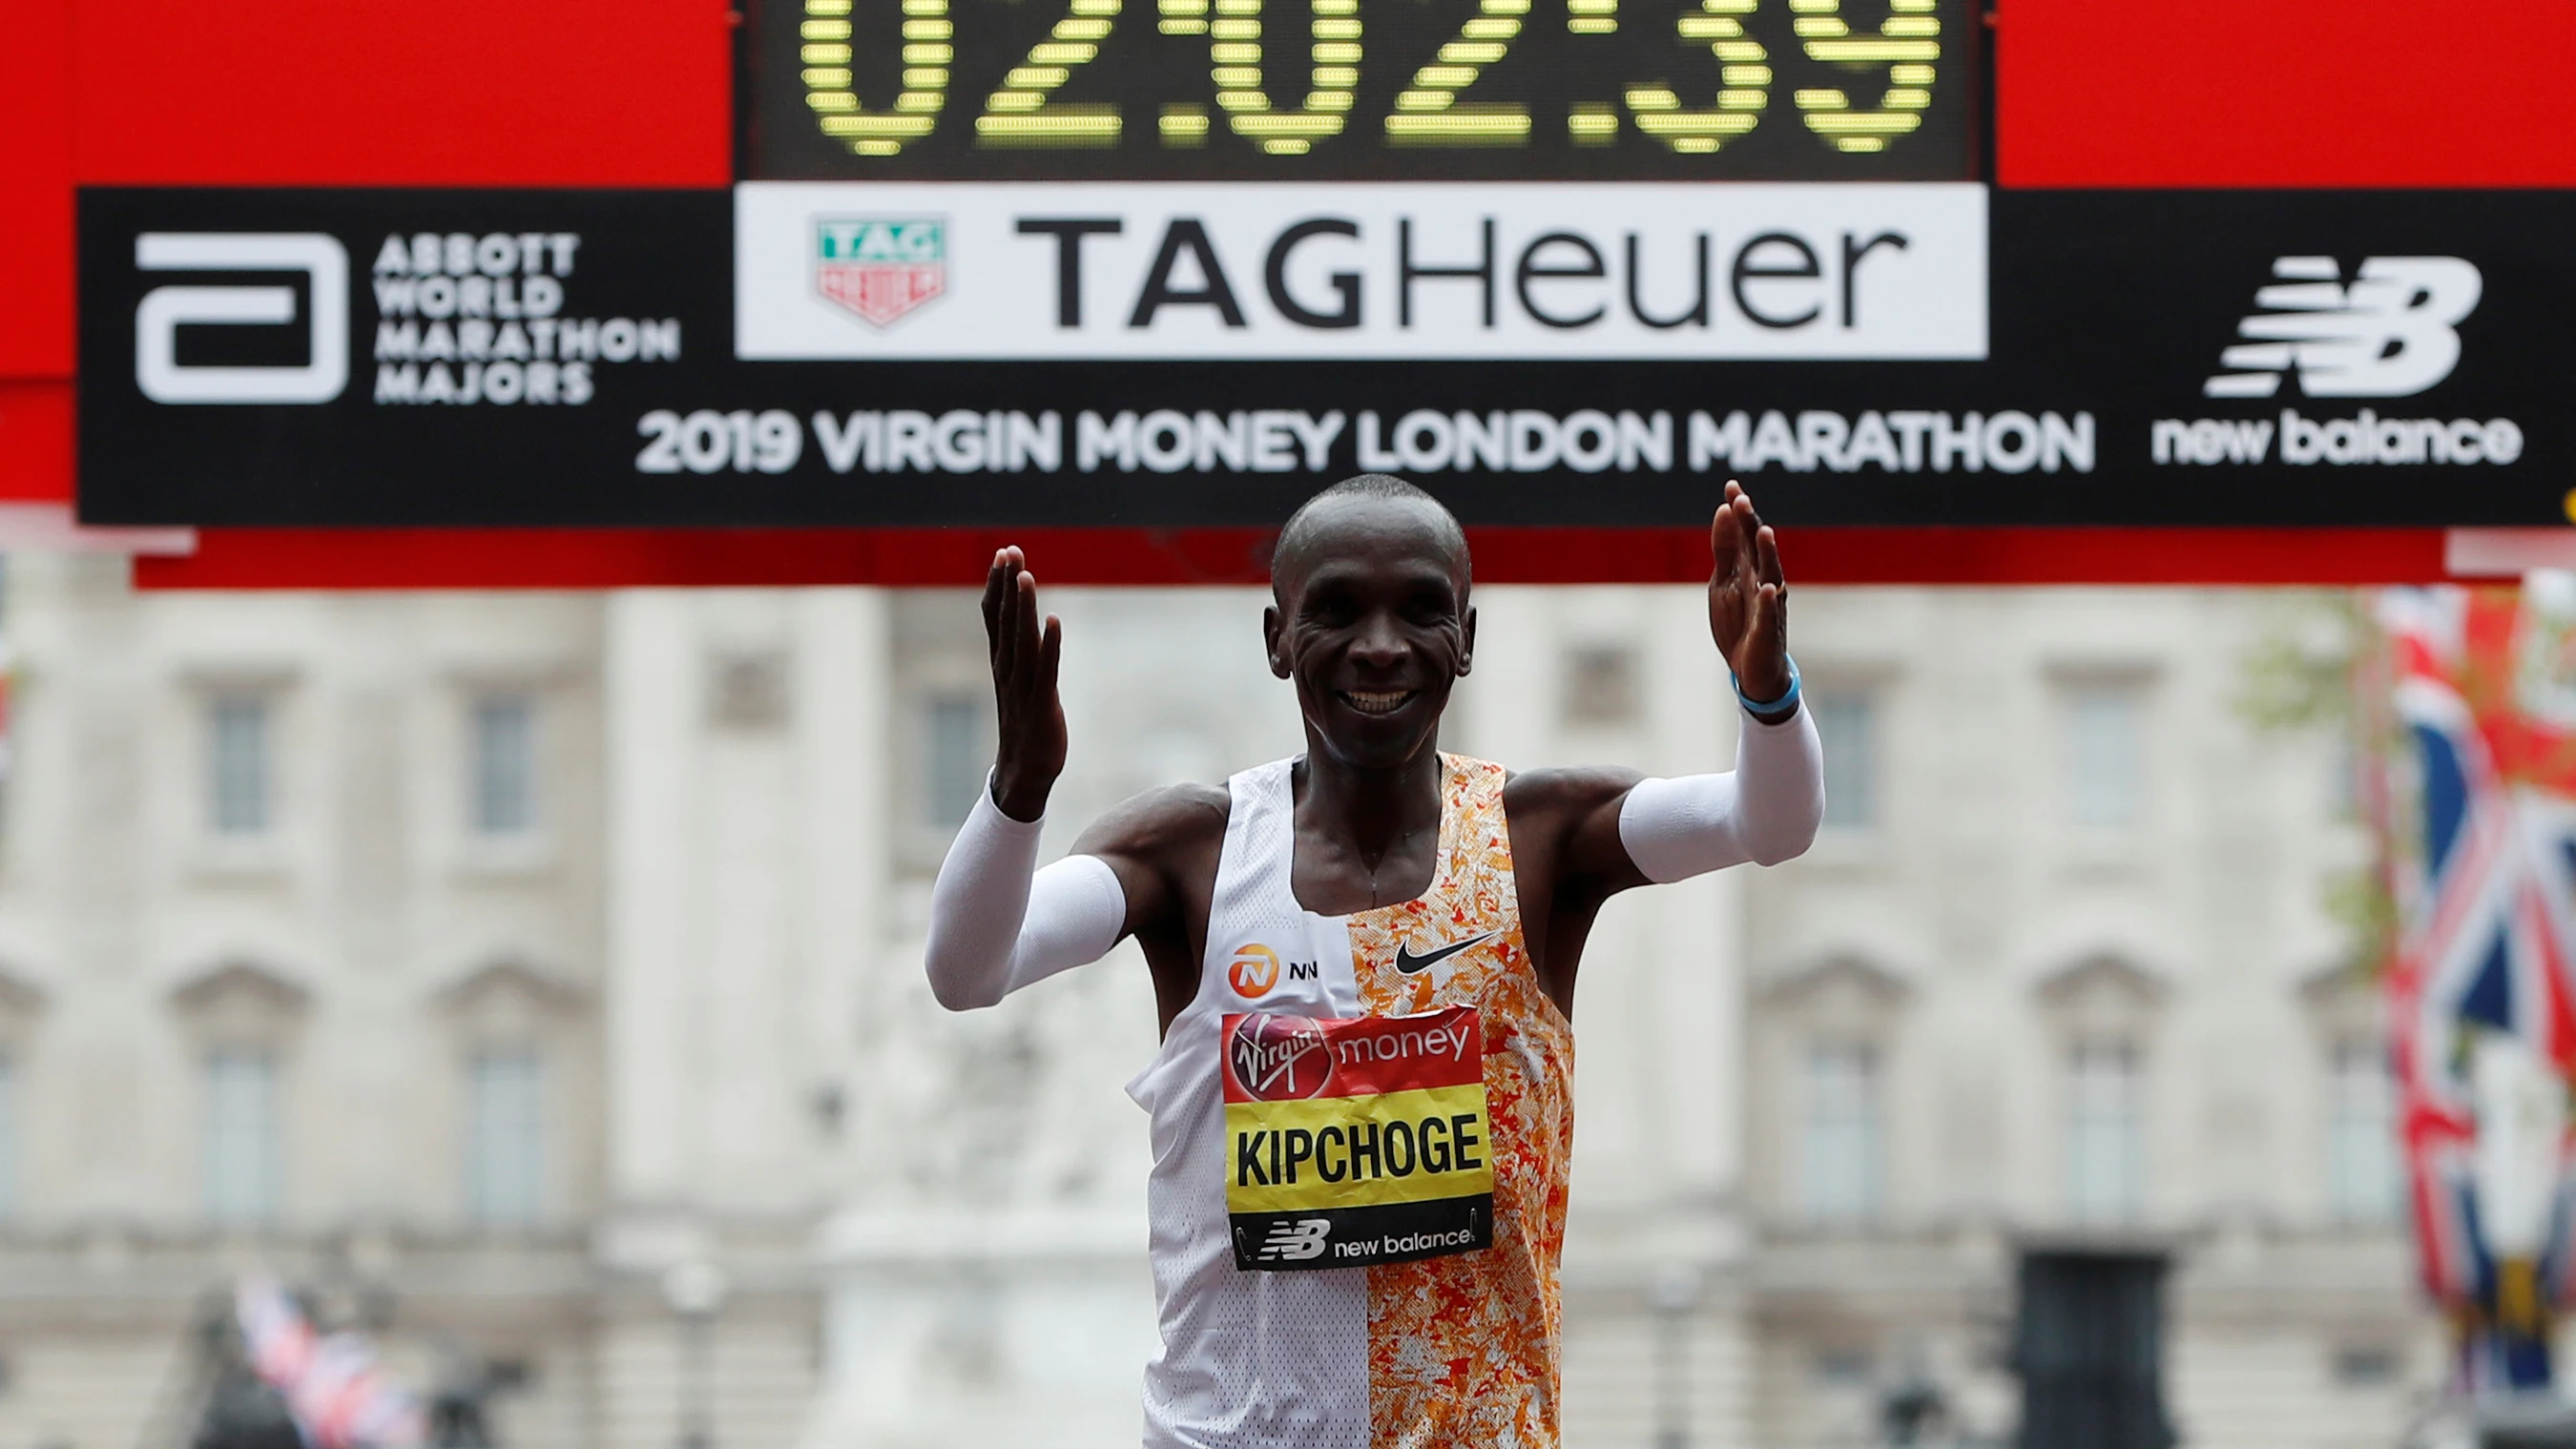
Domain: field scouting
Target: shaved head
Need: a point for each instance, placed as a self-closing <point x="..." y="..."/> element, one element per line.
<point x="1361" y="502"/>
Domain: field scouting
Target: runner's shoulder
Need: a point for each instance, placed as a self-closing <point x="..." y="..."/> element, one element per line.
<point x="1565" y="793"/>
<point x="1166" y="824"/>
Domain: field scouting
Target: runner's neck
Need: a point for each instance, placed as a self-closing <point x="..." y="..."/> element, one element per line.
<point x="1370" y="814"/>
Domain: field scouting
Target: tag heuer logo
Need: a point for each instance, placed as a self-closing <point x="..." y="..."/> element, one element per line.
<point x="881" y="268"/>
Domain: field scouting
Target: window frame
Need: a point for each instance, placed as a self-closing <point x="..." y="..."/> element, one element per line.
<point x="1831" y="698"/>
<point x="263" y="1204"/>
<point x="1863" y="1117"/>
<point x="217" y="755"/>
<point x="482" y="771"/>
<point x="519" y="1196"/>
<point x="13" y="1143"/>
<point x="2076" y="782"/>
<point x="2346" y="1203"/>
<point x="2130" y="1116"/>
<point x="938" y="775"/>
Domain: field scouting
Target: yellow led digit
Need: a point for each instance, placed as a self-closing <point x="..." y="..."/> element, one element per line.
<point x="1907" y="43"/>
<point x="1592" y="17"/>
<point x="1427" y="113"/>
<point x="1744" y="69"/>
<point x="927" y="49"/>
<point x="1234" y="54"/>
<point x="1019" y="115"/>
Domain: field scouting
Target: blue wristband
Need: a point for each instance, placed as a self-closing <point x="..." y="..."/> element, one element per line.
<point x="1782" y="705"/>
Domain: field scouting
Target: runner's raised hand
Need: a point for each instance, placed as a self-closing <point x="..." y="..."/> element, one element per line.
<point x="1748" y="600"/>
<point x="1025" y="653"/>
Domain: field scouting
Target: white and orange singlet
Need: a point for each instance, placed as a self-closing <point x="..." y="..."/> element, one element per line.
<point x="1362" y="1126"/>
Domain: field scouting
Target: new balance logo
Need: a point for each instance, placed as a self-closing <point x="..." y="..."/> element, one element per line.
<point x="2388" y="334"/>
<point x="1295" y="1242"/>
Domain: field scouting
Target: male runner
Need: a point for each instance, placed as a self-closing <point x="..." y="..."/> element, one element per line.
<point x="1364" y="959"/>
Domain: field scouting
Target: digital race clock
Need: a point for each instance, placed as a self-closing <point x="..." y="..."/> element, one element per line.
<point x="1362" y="89"/>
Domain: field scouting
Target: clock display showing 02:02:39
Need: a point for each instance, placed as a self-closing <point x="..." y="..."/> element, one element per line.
<point x="1362" y="89"/>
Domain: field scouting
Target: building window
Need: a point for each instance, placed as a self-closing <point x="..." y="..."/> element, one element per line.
<point x="957" y="751"/>
<point x="2361" y="1136"/>
<point x="505" y="1156"/>
<point x="2104" y="755"/>
<point x="2104" y="1147"/>
<point x="1838" y="1148"/>
<point x="1601" y="686"/>
<point x="504" y="748"/>
<point x="237" y="765"/>
<point x="1847" y="726"/>
<point x="8" y="1137"/>
<point x="2365" y="1366"/>
<point x="241" y="1136"/>
<point x="1842" y="1367"/>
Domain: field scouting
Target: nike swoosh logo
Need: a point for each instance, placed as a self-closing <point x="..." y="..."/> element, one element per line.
<point x="1408" y="963"/>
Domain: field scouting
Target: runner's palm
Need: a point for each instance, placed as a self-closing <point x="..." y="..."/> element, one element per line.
<point x="1748" y="599"/>
<point x="1026" y="649"/>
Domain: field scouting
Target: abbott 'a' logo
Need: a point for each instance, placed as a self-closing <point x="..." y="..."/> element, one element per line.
<point x="1254" y="971"/>
<point x="2388" y="334"/>
<point x="164" y="310"/>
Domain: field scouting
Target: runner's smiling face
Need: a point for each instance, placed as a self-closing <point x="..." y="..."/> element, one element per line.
<point x="1372" y="622"/>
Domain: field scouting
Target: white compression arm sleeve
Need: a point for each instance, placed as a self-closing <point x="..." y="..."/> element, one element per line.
<point x="997" y="923"/>
<point x="1766" y="811"/>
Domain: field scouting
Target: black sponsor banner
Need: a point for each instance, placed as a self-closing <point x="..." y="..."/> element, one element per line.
<point x="1355" y="1237"/>
<point x="429" y="357"/>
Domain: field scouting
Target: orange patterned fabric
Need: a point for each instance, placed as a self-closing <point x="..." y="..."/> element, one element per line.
<point x="1464" y="1351"/>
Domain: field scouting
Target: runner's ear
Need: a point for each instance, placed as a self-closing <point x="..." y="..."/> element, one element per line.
<point x="1274" y="638"/>
<point x="1467" y="641"/>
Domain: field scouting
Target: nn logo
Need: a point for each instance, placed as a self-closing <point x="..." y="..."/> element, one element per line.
<point x="878" y="268"/>
<point x="1254" y="970"/>
<point x="2386" y="334"/>
<point x="160" y="374"/>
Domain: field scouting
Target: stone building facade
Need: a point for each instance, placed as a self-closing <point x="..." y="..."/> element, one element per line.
<point x="477" y="961"/>
<point x="2063" y="970"/>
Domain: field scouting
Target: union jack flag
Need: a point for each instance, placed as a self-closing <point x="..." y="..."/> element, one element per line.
<point x="2486" y="887"/>
<point x="338" y="1396"/>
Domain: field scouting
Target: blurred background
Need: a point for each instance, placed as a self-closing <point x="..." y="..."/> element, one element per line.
<point x="466" y="825"/>
<point x="533" y="983"/>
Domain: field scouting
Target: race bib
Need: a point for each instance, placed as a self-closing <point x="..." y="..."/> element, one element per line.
<point x="1357" y="1140"/>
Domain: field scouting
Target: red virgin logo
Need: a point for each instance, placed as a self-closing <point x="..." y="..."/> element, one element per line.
<point x="1279" y="1058"/>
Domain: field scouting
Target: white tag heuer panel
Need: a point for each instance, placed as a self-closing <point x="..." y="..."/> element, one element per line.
<point x="1288" y="270"/>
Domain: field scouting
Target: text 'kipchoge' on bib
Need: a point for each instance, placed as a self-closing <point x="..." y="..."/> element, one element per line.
<point x="1357" y="1140"/>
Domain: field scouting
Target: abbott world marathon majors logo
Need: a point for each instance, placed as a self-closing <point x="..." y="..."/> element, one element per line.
<point x="2392" y="331"/>
<point x="324" y="267"/>
<point x="460" y="319"/>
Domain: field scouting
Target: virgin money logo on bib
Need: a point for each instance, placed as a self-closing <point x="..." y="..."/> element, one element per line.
<point x="1277" y="1058"/>
<point x="1356" y="1141"/>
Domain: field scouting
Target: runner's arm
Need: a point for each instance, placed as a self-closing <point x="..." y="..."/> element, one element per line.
<point x="998" y="923"/>
<point x="1765" y="810"/>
